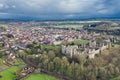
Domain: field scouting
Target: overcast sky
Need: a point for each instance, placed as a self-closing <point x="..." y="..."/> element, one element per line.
<point x="48" y="9"/>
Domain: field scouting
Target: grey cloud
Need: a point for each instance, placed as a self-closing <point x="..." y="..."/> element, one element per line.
<point x="68" y="8"/>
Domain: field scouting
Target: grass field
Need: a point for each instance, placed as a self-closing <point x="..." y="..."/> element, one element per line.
<point x="117" y="78"/>
<point x="70" y="26"/>
<point x="80" y="41"/>
<point x="40" y="77"/>
<point x="9" y="73"/>
<point x="76" y="42"/>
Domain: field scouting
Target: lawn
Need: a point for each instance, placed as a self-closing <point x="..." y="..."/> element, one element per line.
<point x="9" y="73"/>
<point x="40" y="77"/>
<point x="81" y="41"/>
<point x="117" y="78"/>
<point x="76" y="42"/>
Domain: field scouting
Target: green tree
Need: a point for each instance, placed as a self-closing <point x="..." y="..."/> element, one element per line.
<point x="57" y="63"/>
<point x="51" y="55"/>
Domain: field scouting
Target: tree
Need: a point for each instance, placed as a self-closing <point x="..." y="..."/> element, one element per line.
<point x="1" y="55"/>
<point x="57" y="63"/>
<point x="50" y="66"/>
<point x="64" y="65"/>
<point x="51" y="55"/>
<point x="43" y="61"/>
<point x="22" y="54"/>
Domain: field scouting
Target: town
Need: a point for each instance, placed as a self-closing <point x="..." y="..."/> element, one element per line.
<point x="20" y="38"/>
<point x="59" y="40"/>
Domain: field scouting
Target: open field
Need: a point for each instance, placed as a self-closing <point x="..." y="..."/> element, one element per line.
<point x="117" y="78"/>
<point x="70" y="26"/>
<point x="104" y="28"/>
<point x="81" y="41"/>
<point x="40" y="77"/>
<point x="4" y="26"/>
<point x="9" y="74"/>
<point x="76" y="42"/>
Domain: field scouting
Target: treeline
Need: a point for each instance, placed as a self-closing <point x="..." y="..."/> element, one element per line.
<point x="43" y="49"/>
<point x="109" y="32"/>
<point x="103" y="67"/>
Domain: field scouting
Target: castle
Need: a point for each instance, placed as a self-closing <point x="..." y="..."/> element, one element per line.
<point x="90" y="50"/>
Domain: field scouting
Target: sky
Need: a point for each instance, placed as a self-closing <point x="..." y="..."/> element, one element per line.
<point x="58" y="9"/>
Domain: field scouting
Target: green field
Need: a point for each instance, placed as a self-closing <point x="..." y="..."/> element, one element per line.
<point x="4" y="26"/>
<point x="40" y="77"/>
<point x="8" y="74"/>
<point x="76" y="42"/>
<point x="70" y="26"/>
<point x="81" y="41"/>
<point x="117" y="78"/>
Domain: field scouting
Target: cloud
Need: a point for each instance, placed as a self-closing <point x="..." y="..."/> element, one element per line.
<point x="59" y="8"/>
<point x="56" y="6"/>
<point x="103" y="11"/>
<point x="13" y="6"/>
<point x="3" y="6"/>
